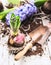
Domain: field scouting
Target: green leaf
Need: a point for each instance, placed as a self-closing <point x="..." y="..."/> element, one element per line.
<point x="14" y="1"/>
<point x="4" y="13"/>
<point x="15" y="23"/>
<point x="12" y="21"/>
<point x="18" y="21"/>
<point x="39" y="3"/>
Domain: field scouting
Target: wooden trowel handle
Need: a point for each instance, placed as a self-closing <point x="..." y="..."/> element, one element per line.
<point x="22" y="53"/>
<point x="28" y="46"/>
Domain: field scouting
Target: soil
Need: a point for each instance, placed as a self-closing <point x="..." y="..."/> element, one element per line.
<point x="38" y="50"/>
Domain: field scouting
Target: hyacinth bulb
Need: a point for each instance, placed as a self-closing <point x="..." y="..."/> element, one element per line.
<point x="19" y="39"/>
<point x="46" y="8"/>
<point x="1" y="7"/>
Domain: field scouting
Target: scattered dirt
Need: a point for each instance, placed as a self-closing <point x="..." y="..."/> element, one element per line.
<point x="38" y="50"/>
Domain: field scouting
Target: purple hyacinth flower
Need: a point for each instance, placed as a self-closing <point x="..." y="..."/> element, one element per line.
<point x="23" y="11"/>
